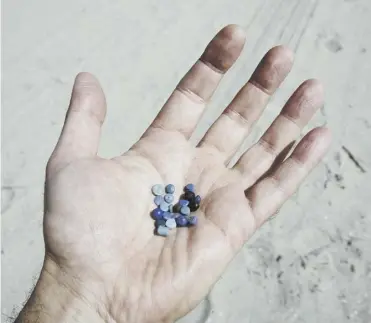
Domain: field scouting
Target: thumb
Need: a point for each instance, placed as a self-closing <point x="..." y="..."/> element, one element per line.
<point x="82" y="127"/>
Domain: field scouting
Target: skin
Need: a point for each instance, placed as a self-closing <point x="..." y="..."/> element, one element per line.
<point x="102" y="257"/>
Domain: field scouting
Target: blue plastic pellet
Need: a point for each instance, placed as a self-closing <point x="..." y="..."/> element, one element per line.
<point x="198" y="199"/>
<point x="169" y="198"/>
<point x="181" y="221"/>
<point x="183" y="203"/>
<point x="170" y="189"/>
<point x="157" y="213"/>
<point x="158" y="189"/>
<point x="189" y="187"/>
<point x="164" y="206"/>
<point x="163" y="231"/>
<point x="168" y="215"/>
<point x="160" y="222"/>
<point x="185" y="210"/>
<point x="189" y="196"/>
<point x="171" y="224"/>
<point x="158" y="200"/>
<point x="176" y="208"/>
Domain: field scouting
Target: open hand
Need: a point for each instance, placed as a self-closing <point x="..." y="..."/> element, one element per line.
<point x="100" y="242"/>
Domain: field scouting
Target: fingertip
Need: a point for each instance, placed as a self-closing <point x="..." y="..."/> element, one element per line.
<point x="313" y="145"/>
<point x="323" y="130"/>
<point x="273" y="68"/>
<point x="323" y="134"/>
<point x="85" y="76"/>
<point x="81" y="130"/>
<point x="235" y="32"/>
<point x="224" y="49"/>
<point x="312" y="87"/>
<point x="282" y="53"/>
<point x="88" y="95"/>
<point x="307" y="99"/>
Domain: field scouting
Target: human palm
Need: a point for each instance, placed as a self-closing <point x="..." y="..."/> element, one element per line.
<point x="98" y="228"/>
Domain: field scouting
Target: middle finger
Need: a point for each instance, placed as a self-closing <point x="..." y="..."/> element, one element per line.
<point x="231" y="128"/>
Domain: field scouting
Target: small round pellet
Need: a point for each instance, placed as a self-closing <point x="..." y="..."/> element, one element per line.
<point x="189" y="196"/>
<point x="181" y="221"/>
<point x="185" y="210"/>
<point x="176" y="208"/>
<point x="171" y="224"/>
<point x="164" y="206"/>
<point x="170" y="189"/>
<point x="163" y="231"/>
<point x="168" y="215"/>
<point x="193" y="206"/>
<point x="198" y="199"/>
<point x="158" y="200"/>
<point x="158" y="189"/>
<point x="160" y="222"/>
<point x="190" y="187"/>
<point x="157" y="213"/>
<point x="183" y="203"/>
<point x="169" y="198"/>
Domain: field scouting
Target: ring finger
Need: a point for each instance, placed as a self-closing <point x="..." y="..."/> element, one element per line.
<point x="297" y="112"/>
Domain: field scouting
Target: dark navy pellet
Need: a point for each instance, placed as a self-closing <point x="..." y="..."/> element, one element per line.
<point x="193" y="206"/>
<point x="181" y="221"/>
<point x="189" y="187"/>
<point x="176" y="208"/>
<point x="160" y="222"/>
<point x="189" y="196"/>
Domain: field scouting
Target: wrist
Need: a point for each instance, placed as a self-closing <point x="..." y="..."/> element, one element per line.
<point x="57" y="299"/>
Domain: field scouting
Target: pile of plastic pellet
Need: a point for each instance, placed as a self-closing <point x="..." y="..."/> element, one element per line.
<point x="168" y="215"/>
